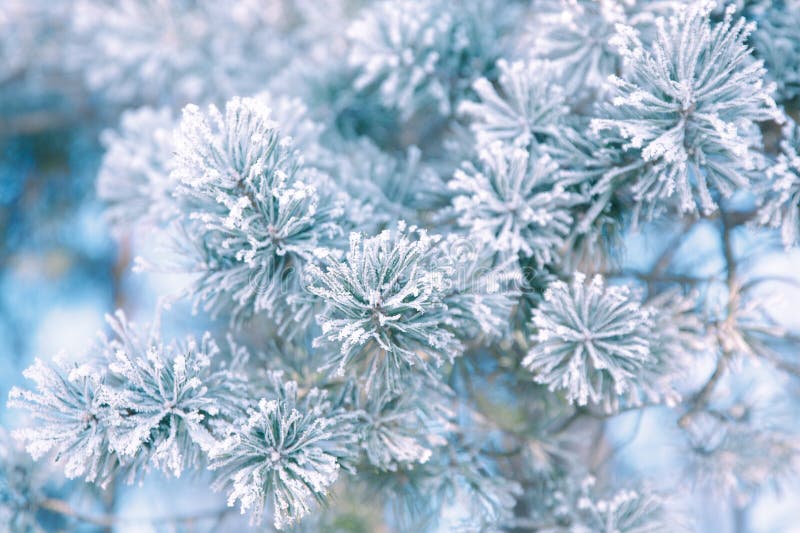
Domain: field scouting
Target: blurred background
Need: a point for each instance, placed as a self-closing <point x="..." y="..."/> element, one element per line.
<point x="68" y="71"/>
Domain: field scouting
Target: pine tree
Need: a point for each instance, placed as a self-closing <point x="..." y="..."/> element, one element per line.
<point x="456" y="252"/>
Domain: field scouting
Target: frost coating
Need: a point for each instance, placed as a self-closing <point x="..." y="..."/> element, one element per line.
<point x="777" y="41"/>
<point x="514" y="202"/>
<point x="687" y="106"/>
<point x="289" y="451"/>
<point x="71" y="414"/>
<point x="592" y="341"/>
<point x="22" y="485"/>
<point x="528" y="105"/>
<point x="623" y="511"/>
<point x="578" y="37"/>
<point x="256" y="215"/>
<point x="781" y="203"/>
<point x="480" y="288"/>
<point x="383" y="301"/>
<point x="162" y="398"/>
<point x="391" y="435"/>
<point x="173" y="52"/>
<point x="421" y="53"/>
<point x="148" y="404"/>
<point x="134" y="179"/>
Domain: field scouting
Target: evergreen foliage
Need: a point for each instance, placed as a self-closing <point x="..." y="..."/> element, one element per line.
<point x="289" y="451"/>
<point x="454" y="249"/>
<point x="687" y="105"/>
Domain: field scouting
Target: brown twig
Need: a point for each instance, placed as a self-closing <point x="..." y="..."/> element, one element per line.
<point x="700" y="400"/>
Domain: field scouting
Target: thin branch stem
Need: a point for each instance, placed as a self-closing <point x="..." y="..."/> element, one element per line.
<point x="665" y="259"/>
<point x="702" y="397"/>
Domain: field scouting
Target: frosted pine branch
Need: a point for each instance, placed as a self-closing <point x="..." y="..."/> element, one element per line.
<point x="527" y="109"/>
<point x="288" y="452"/>
<point x="781" y="201"/>
<point x="385" y="304"/>
<point x="514" y="202"/>
<point x="591" y="341"/>
<point x="255" y="214"/>
<point x="687" y="105"/>
<point x="449" y="356"/>
<point x="141" y="404"/>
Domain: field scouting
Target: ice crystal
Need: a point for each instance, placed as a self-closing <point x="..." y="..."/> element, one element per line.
<point x="289" y="451"/>
<point x="385" y="304"/>
<point x="591" y="340"/>
<point x="256" y="214"/>
<point x="527" y="107"/>
<point x="688" y="106"/>
<point x="781" y="204"/>
<point x="514" y="202"/>
<point x="134" y="178"/>
<point x="420" y="53"/>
